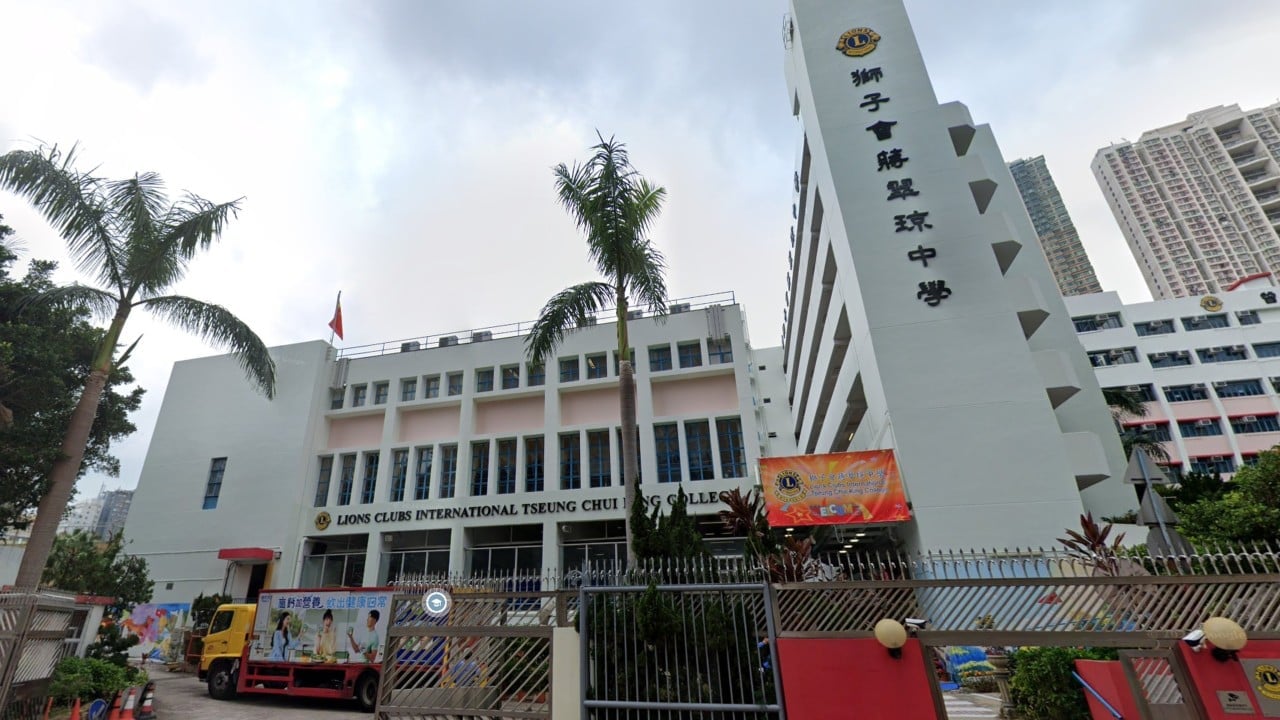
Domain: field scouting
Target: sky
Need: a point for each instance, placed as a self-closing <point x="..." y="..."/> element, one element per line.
<point x="402" y="151"/>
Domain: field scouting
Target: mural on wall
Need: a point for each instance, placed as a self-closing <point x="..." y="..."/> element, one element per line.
<point x="153" y="624"/>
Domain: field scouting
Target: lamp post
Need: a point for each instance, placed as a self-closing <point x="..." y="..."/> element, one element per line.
<point x="892" y="635"/>
<point x="1226" y="636"/>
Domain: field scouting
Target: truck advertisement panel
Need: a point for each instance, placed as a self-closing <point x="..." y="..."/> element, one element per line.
<point x="336" y="627"/>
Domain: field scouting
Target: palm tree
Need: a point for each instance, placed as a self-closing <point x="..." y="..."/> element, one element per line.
<point x="615" y="207"/>
<point x="136" y="244"/>
<point x="1128" y="404"/>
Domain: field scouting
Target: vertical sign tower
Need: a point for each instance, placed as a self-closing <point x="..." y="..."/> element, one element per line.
<point x="922" y="315"/>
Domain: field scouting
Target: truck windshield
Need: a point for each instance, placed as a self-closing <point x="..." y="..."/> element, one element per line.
<point x="221" y="621"/>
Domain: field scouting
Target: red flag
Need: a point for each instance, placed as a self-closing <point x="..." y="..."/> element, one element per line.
<point x="336" y="323"/>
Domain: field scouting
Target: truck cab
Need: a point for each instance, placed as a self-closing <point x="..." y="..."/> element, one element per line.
<point x="229" y="631"/>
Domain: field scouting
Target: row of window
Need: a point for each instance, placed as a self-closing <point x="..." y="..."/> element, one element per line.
<point x="414" y="471"/>
<point x="508" y="377"/>
<point x="1211" y="427"/>
<point x="1199" y="391"/>
<point x="1180" y="358"/>
<point x="1108" y="321"/>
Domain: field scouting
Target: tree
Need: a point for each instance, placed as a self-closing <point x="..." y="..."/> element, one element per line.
<point x="673" y="535"/>
<point x="615" y="207"/>
<point x="1127" y="404"/>
<point x="45" y="352"/>
<point x="1247" y="511"/>
<point x="136" y="244"/>
<point x="81" y="563"/>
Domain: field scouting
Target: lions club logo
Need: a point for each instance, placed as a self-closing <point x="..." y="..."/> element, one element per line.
<point x="858" y="42"/>
<point x="1210" y="303"/>
<point x="322" y="520"/>
<point x="1268" y="679"/>
<point x="788" y="486"/>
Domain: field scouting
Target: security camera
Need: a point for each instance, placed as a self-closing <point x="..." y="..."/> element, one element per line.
<point x="915" y="625"/>
<point x="1194" y="640"/>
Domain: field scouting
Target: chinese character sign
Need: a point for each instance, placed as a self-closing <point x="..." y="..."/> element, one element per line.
<point x="834" y="489"/>
<point x="313" y="626"/>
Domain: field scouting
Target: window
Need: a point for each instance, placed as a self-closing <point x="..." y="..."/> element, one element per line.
<point x="690" y="354"/>
<point x="1214" y="464"/>
<point x="380" y="392"/>
<point x="1089" y="323"/>
<point x="719" y="352"/>
<point x="1249" y="460"/>
<point x="1173" y="471"/>
<point x="399" y="474"/>
<point x="598" y="461"/>
<point x="480" y="468"/>
<point x="617" y="369"/>
<point x="213" y="488"/>
<point x="455" y="383"/>
<point x="596" y="367"/>
<point x="1144" y="392"/>
<point x="431" y="387"/>
<point x="1185" y="393"/>
<point x="1158" y="432"/>
<point x="660" y="358"/>
<point x="666" y="440"/>
<point x="1173" y="359"/>
<point x="1222" y="354"/>
<point x="1114" y="356"/>
<point x="347" y="480"/>
<point x="335" y="398"/>
<point x="1205" y="322"/>
<point x="1238" y="388"/>
<point x="484" y="380"/>
<point x="222" y="621"/>
<point x="1248" y="317"/>
<point x="370" y="477"/>
<point x="322" y="481"/>
<point x="1255" y="424"/>
<point x="733" y="459"/>
<point x="1267" y="350"/>
<point x="570" y="462"/>
<point x="537" y="374"/>
<point x="568" y="369"/>
<point x="510" y="377"/>
<point x="506" y="466"/>
<point x="1154" y="327"/>
<point x="408" y="389"/>
<point x="422" y="474"/>
<point x="697" y="437"/>
<point x="358" y="395"/>
<point x="448" y="470"/>
<point x="1205" y="427"/>
<point x="534" y="474"/>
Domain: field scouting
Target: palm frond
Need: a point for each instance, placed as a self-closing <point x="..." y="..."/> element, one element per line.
<point x="195" y="223"/>
<point x="222" y="329"/>
<point x="137" y="203"/>
<point x="644" y="207"/>
<point x="647" y="277"/>
<point x="1124" y="403"/>
<point x="71" y="201"/>
<point x="566" y="310"/>
<point x="100" y="303"/>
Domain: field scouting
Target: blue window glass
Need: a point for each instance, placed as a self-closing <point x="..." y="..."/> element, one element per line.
<point x="1154" y="327"/>
<point x="506" y="466"/>
<point x="1204" y="427"/>
<point x="568" y="369"/>
<point x="1255" y="424"/>
<point x="408" y="389"/>
<point x="213" y="488"/>
<point x="370" y="477"/>
<point x="422" y="474"/>
<point x="697" y="437"/>
<point x="432" y="387"/>
<point x="335" y="399"/>
<point x="358" y="395"/>
<point x="380" y="392"/>
<point x="1169" y="359"/>
<point x="666" y="440"/>
<point x="1185" y="393"/>
<point x="455" y="383"/>
<point x="322" y="482"/>
<point x="1238" y="388"/>
<point x="596" y="367"/>
<point x="570" y="462"/>
<point x="537" y="374"/>
<point x="660" y="358"/>
<point x="510" y="377"/>
<point x="484" y="380"/>
<point x="1158" y="432"/>
<point x="1213" y="465"/>
<point x="448" y="470"/>
<point x="1205" y="322"/>
<point x="1267" y="350"/>
<point x="347" y="481"/>
<point x="480" y="468"/>
<point x="1222" y="354"/>
<point x="733" y="457"/>
<point x="690" y="354"/>
<point x="598" y="461"/>
<point x="399" y="474"/>
<point x="534" y="473"/>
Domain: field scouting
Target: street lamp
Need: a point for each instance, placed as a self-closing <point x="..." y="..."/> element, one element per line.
<point x="892" y="635"/>
<point x="1226" y="636"/>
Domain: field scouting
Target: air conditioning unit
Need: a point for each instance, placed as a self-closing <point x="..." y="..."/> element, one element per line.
<point x="1160" y="356"/>
<point x="679" y="308"/>
<point x="1199" y="319"/>
<point x="1237" y="348"/>
<point x="410" y="346"/>
<point x="1216" y="350"/>
<point x="1205" y="422"/>
<point x="447" y="341"/>
<point x="1218" y="458"/>
<point x="1148" y="426"/>
<point x="1101" y="318"/>
<point x="1248" y="418"/>
<point x="481" y="336"/>
<point x="1133" y="388"/>
<point x="1116" y="353"/>
<point x="1221" y="384"/>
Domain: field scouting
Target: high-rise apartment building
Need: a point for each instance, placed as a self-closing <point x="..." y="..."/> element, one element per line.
<point x="1199" y="201"/>
<point x="1058" y="236"/>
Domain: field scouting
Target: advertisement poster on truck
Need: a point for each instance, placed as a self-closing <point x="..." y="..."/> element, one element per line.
<point x="345" y="626"/>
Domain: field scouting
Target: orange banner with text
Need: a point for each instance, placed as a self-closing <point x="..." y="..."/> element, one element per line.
<point x="833" y="489"/>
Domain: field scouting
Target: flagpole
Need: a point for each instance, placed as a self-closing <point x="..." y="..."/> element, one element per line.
<point x="336" y="304"/>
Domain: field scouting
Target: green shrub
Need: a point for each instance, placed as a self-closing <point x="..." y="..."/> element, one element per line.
<point x="1042" y="687"/>
<point x="89" y="678"/>
<point x="111" y="645"/>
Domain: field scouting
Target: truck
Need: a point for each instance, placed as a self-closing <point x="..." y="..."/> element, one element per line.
<point x="305" y="643"/>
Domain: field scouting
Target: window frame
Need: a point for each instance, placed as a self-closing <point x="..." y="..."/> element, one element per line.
<point x="213" y="485"/>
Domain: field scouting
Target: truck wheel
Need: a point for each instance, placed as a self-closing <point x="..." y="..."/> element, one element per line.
<point x="367" y="691"/>
<point x="222" y="680"/>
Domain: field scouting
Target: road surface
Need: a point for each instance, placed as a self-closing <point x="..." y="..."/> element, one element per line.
<point x="179" y="696"/>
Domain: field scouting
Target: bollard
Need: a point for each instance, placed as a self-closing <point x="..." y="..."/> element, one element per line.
<point x="130" y="701"/>
<point x="146" y="709"/>
<point x="75" y="710"/>
<point x="114" y="712"/>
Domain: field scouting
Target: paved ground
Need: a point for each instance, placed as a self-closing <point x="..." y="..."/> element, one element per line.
<point x="963" y="705"/>
<point x="179" y="696"/>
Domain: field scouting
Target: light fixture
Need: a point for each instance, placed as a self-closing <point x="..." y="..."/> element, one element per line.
<point x="1194" y="640"/>
<point x="892" y="635"/>
<point x="915" y="625"/>
<point x="1226" y="636"/>
<point x="861" y="534"/>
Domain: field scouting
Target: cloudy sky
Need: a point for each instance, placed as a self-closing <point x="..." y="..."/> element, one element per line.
<point x="402" y="151"/>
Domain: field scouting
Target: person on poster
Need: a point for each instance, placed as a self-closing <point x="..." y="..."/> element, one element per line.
<point x="367" y="646"/>
<point x="280" y="641"/>
<point x="327" y="637"/>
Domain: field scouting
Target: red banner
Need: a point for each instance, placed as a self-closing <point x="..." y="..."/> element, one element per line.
<point x="834" y="489"/>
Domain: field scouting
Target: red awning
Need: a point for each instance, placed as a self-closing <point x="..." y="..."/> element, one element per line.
<point x="246" y="553"/>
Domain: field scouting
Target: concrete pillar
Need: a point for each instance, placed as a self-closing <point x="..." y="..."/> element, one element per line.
<point x="566" y="675"/>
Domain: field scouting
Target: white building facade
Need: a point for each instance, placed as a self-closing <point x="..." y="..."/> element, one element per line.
<point x="1199" y="201"/>
<point x="1207" y="369"/>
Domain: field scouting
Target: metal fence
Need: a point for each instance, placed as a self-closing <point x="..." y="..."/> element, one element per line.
<point x="33" y="633"/>
<point x="489" y="657"/>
